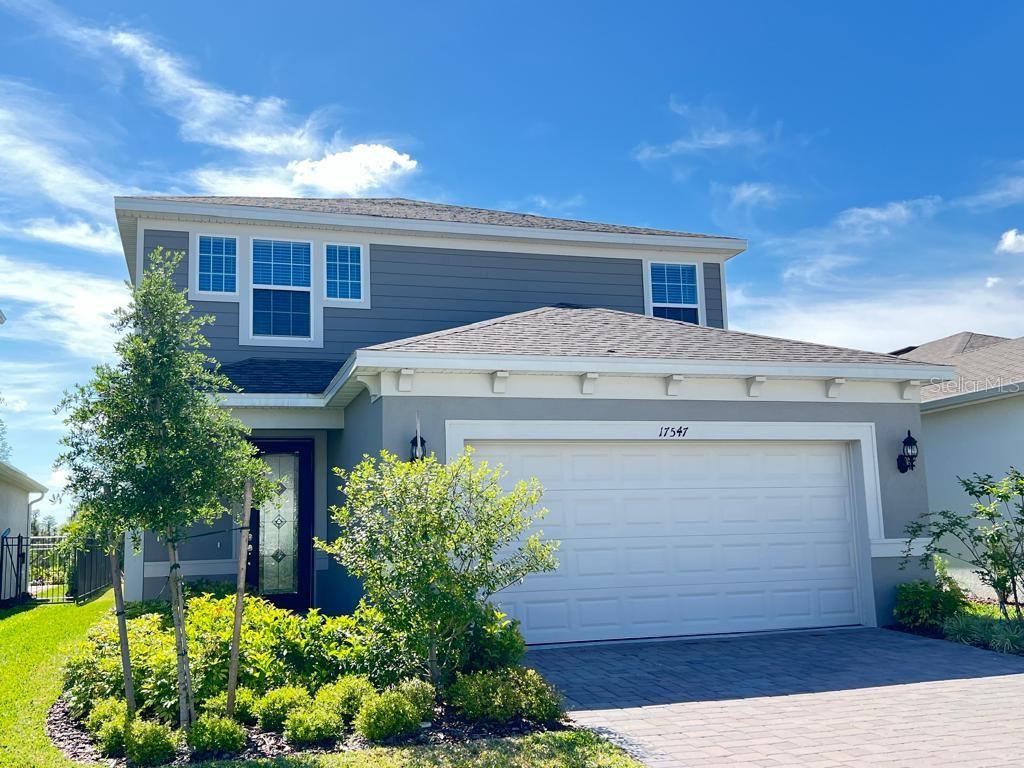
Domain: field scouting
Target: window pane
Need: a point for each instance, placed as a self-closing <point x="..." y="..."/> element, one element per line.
<point x="673" y="283"/>
<point x="686" y="314"/>
<point x="280" y="313"/>
<point x="217" y="264"/>
<point x="344" y="280"/>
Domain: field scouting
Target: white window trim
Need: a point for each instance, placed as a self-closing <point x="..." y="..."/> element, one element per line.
<point x="193" y="268"/>
<point x="649" y="303"/>
<point x="364" y="277"/>
<point x="315" y="338"/>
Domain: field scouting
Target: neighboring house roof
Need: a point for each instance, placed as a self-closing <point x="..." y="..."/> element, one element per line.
<point x="14" y="476"/>
<point x="942" y="350"/>
<point x="986" y="366"/>
<point x="403" y="208"/>
<point x="593" y="332"/>
<point x="259" y="374"/>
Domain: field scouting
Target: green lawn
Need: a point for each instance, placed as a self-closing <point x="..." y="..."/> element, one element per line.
<point x="35" y="641"/>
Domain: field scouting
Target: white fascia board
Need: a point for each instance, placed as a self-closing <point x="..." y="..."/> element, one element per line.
<point x="386" y="359"/>
<point x="970" y="398"/>
<point x="270" y="400"/>
<point x="17" y="478"/>
<point x="727" y="246"/>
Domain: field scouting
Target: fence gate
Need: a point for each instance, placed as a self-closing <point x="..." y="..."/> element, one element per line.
<point x="46" y="569"/>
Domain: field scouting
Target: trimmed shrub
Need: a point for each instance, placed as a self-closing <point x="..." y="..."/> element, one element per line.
<point x="507" y="694"/>
<point x="492" y="642"/>
<point x="273" y="709"/>
<point x="312" y="724"/>
<point x="387" y="715"/>
<point x="1007" y="637"/>
<point x="421" y="695"/>
<point x="104" y="711"/>
<point x="245" y="705"/>
<point x="345" y="696"/>
<point x="110" y="737"/>
<point x="216" y="736"/>
<point x="148" y="743"/>
<point x="926" y="605"/>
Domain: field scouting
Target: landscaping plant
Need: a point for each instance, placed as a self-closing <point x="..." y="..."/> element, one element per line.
<point x="346" y="696"/>
<point x="215" y="736"/>
<point x="312" y="724"/>
<point x="502" y="695"/>
<point x="432" y="543"/>
<point x="273" y="709"/>
<point x="989" y="538"/>
<point x="386" y="715"/>
<point x="926" y="605"/>
<point x="148" y="743"/>
<point x="421" y="694"/>
<point x="148" y="444"/>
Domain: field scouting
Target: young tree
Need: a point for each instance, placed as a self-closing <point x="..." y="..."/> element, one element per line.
<point x="989" y="538"/>
<point x="168" y="455"/>
<point x="433" y="542"/>
<point x="5" y="447"/>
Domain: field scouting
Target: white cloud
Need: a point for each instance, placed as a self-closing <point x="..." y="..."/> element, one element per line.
<point x="285" y="154"/>
<point x="69" y="309"/>
<point x="38" y="155"/>
<point x="1006" y="191"/>
<point x="1012" y="241"/>
<point x="709" y="130"/>
<point x="871" y="222"/>
<point x="76" y="234"/>
<point x="750" y="194"/>
<point x="884" y="317"/>
<point x="544" y="205"/>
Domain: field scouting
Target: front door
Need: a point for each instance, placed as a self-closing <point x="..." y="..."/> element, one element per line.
<point x="281" y="555"/>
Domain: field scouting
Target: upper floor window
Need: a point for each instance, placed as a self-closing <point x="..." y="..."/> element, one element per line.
<point x="278" y="312"/>
<point x="217" y="264"/>
<point x="674" y="292"/>
<point x="344" y="272"/>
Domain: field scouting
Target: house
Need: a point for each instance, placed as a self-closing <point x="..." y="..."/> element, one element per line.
<point x="701" y="480"/>
<point x="16" y="491"/>
<point x="973" y="423"/>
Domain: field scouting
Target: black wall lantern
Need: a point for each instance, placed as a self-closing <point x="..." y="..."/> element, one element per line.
<point x="906" y="460"/>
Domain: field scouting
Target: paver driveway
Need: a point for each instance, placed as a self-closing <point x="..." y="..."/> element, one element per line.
<point x="840" y="698"/>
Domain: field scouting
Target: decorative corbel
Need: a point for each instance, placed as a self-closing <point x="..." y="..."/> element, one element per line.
<point x="588" y="383"/>
<point x="833" y="386"/>
<point x="499" y="382"/>
<point x="405" y="378"/>
<point x="755" y="384"/>
<point x="674" y="384"/>
<point x="372" y="383"/>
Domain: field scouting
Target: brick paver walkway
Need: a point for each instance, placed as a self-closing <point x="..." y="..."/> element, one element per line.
<point x="862" y="697"/>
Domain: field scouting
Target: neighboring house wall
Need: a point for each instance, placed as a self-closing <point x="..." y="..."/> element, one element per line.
<point x="418" y="290"/>
<point x="984" y="438"/>
<point x="13" y="515"/>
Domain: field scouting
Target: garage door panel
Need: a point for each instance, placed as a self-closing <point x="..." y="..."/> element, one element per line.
<point x="662" y="539"/>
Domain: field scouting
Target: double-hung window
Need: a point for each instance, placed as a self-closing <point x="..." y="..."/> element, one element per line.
<point x="218" y="271"/>
<point x="674" y="292"/>
<point x="344" y="272"/>
<point x="281" y="294"/>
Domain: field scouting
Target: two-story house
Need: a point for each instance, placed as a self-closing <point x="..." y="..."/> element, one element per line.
<point x="701" y="480"/>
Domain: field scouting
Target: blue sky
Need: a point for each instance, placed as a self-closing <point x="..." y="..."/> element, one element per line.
<point x="870" y="152"/>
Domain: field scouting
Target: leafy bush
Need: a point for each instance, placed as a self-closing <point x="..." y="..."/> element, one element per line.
<point x="110" y="736"/>
<point x="493" y="641"/>
<point x="387" y="715"/>
<point x="245" y="705"/>
<point x="421" y="694"/>
<point x="104" y="711"/>
<point x="431" y="543"/>
<point x="507" y="694"/>
<point x="273" y="709"/>
<point x="216" y="736"/>
<point x="925" y="605"/>
<point x="1007" y="637"/>
<point x="346" y="696"/>
<point x="148" y="743"/>
<point x="312" y="724"/>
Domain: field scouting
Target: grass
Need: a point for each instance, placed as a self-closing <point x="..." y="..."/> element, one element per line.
<point x="34" y="641"/>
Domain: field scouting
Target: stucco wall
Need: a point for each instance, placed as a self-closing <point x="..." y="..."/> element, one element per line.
<point x="904" y="497"/>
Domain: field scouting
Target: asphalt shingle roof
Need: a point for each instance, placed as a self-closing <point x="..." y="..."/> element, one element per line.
<point x="982" y="363"/>
<point x="403" y="208"/>
<point x="267" y="375"/>
<point x="592" y="332"/>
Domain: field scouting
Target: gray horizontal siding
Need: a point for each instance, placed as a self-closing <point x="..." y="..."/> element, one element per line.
<point x="170" y="241"/>
<point x="421" y="290"/>
<point x="714" y="307"/>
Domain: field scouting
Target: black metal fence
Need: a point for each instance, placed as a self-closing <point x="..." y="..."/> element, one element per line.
<point x="13" y="558"/>
<point x="47" y="569"/>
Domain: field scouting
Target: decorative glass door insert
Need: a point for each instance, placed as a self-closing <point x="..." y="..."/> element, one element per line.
<point x="279" y="528"/>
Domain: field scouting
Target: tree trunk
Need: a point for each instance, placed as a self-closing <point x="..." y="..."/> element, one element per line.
<point x="186" y="704"/>
<point x="122" y="628"/>
<point x="236" y="631"/>
<point x="435" y="670"/>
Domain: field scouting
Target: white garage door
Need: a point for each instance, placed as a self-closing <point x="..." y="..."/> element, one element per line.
<point x="686" y="538"/>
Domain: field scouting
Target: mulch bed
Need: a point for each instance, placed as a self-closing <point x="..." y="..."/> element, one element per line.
<point x="448" y="727"/>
